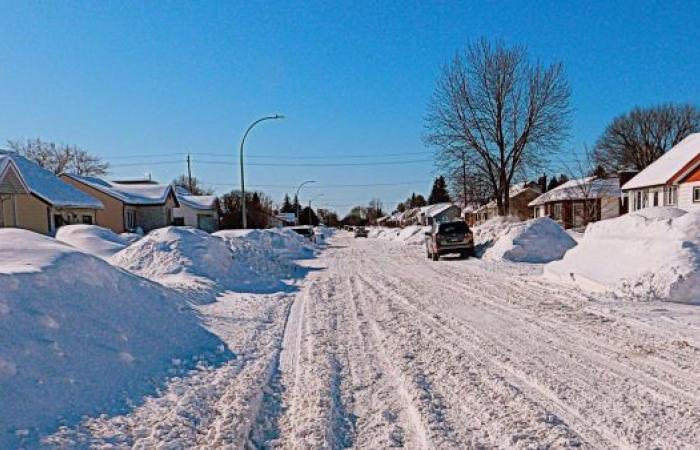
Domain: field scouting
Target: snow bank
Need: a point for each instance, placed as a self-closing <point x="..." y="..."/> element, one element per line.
<point x="81" y="337"/>
<point x="279" y="242"/>
<point x="92" y="239"/>
<point x="411" y="235"/>
<point x="486" y="233"/>
<point x="539" y="240"/>
<point x="184" y="258"/>
<point x="651" y="254"/>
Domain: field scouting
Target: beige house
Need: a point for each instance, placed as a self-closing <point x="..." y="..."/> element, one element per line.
<point x="35" y="199"/>
<point x="519" y="198"/>
<point x="140" y="205"/>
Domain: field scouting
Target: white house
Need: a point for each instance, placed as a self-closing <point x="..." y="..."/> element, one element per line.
<point x="671" y="180"/>
<point x="199" y="211"/>
<point x="440" y="212"/>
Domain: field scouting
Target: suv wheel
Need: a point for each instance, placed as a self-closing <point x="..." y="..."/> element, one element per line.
<point x="435" y="256"/>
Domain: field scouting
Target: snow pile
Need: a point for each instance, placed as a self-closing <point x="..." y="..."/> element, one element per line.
<point x="486" y="233"/>
<point x="81" y="337"/>
<point x="539" y="240"/>
<point x="179" y="257"/>
<point x="411" y="235"/>
<point x="279" y="242"/>
<point x="92" y="239"/>
<point x="650" y="254"/>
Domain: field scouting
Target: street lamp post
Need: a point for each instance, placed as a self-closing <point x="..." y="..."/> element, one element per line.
<point x="310" y="216"/>
<point x="296" y="196"/>
<point x="243" y="212"/>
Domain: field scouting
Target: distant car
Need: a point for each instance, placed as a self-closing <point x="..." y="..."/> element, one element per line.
<point x="449" y="237"/>
<point x="306" y="231"/>
<point x="361" y="232"/>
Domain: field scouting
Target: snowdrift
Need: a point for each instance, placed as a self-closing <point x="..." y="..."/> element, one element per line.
<point x="183" y="258"/>
<point x="92" y="239"/>
<point x="81" y="337"/>
<point x="539" y="240"/>
<point x="411" y="235"/>
<point x="651" y="254"/>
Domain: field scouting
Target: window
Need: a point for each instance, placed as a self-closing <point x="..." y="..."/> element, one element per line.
<point x="179" y="221"/>
<point x="670" y="195"/>
<point x="557" y="211"/>
<point x="87" y="219"/>
<point x="696" y="194"/>
<point x="638" y="200"/>
<point x="130" y="219"/>
<point x="656" y="198"/>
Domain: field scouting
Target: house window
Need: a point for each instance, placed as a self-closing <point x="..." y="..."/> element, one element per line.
<point x="87" y="219"/>
<point x="670" y="195"/>
<point x="130" y="219"/>
<point x="656" y="198"/>
<point x="638" y="200"/>
<point x="557" y="211"/>
<point x="179" y="221"/>
<point x="696" y="194"/>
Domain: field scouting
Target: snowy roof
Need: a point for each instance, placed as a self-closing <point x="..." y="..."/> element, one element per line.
<point x="581" y="189"/>
<point x="202" y="202"/>
<point x="133" y="194"/>
<point x="48" y="187"/>
<point x="433" y="210"/>
<point x="669" y="164"/>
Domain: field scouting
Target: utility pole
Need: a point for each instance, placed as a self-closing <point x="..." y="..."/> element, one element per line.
<point x="244" y="219"/>
<point x="189" y="174"/>
<point x="310" y="216"/>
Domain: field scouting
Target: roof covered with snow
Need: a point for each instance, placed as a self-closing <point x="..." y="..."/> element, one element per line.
<point x="133" y="194"/>
<point x="48" y="187"/>
<point x="669" y="164"/>
<point x="202" y="202"/>
<point x="581" y="189"/>
<point x="434" y="210"/>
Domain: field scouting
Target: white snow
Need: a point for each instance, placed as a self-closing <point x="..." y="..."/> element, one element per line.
<point x="92" y="239"/>
<point x="410" y="235"/>
<point x="49" y="187"/>
<point x="660" y="171"/>
<point x="133" y="194"/>
<point x="534" y="241"/>
<point x="649" y="254"/>
<point x="81" y="337"/>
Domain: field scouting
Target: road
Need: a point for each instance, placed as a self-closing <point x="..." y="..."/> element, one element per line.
<point x="379" y="347"/>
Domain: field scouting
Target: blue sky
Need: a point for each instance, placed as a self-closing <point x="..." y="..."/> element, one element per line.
<point x="130" y="79"/>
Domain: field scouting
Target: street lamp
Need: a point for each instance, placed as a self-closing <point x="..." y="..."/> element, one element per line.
<point x="296" y="196"/>
<point x="275" y="117"/>
<point x="311" y="221"/>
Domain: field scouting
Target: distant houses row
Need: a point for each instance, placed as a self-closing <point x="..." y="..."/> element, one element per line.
<point x="34" y="198"/>
<point x="672" y="180"/>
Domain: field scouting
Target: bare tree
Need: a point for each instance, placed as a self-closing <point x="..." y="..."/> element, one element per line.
<point x="506" y="113"/>
<point x="193" y="185"/>
<point x="637" y="138"/>
<point x="59" y="158"/>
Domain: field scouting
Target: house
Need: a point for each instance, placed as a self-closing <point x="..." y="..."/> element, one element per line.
<point x="198" y="211"/>
<point x="285" y="219"/>
<point x="671" y="180"/>
<point x="409" y="217"/>
<point x="520" y="196"/>
<point x="469" y="214"/>
<point x="129" y="205"/>
<point x="440" y="212"/>
<point x="35" y="199"/>
<point x="578" y="202"/>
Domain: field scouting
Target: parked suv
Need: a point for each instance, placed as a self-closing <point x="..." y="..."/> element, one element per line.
<point x="361" y="232"/>
<point x="449" y="237"/>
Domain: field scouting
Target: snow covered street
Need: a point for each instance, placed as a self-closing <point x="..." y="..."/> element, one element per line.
<point x="377" y="346"/>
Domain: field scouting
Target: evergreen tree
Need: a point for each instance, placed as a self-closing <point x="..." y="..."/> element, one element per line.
<point x="439" y="193"/>
<point x="417" y="201"/>
<point x="553" y="183"/>
<point x="287" y="205"/>
<point x="295" y="205"/>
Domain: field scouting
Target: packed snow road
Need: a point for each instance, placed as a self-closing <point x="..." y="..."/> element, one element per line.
<point x="385" y="348"/>
<point x="377" y="346"/>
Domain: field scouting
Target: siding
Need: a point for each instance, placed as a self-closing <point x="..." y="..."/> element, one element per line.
<point x="685" y="196"/>
<point x="112" y="216"/>
<point x="32" y="214"/>
<point x="609" y="207"/>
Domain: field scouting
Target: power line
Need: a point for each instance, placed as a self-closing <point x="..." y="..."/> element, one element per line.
<point x="231" y="163"/>
<point x="322" y="186"/>
<point x="268" y="156"/>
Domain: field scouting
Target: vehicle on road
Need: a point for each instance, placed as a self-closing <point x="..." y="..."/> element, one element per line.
<point x="449" y="237"/>
<point x="361" y="232"/>
<point x="306" y="231"/>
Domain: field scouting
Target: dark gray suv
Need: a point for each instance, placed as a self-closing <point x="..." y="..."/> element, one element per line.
<point x="449" y="237"/>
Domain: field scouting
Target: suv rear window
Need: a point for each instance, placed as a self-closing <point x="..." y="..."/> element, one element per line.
<point x="453" y="227"/>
